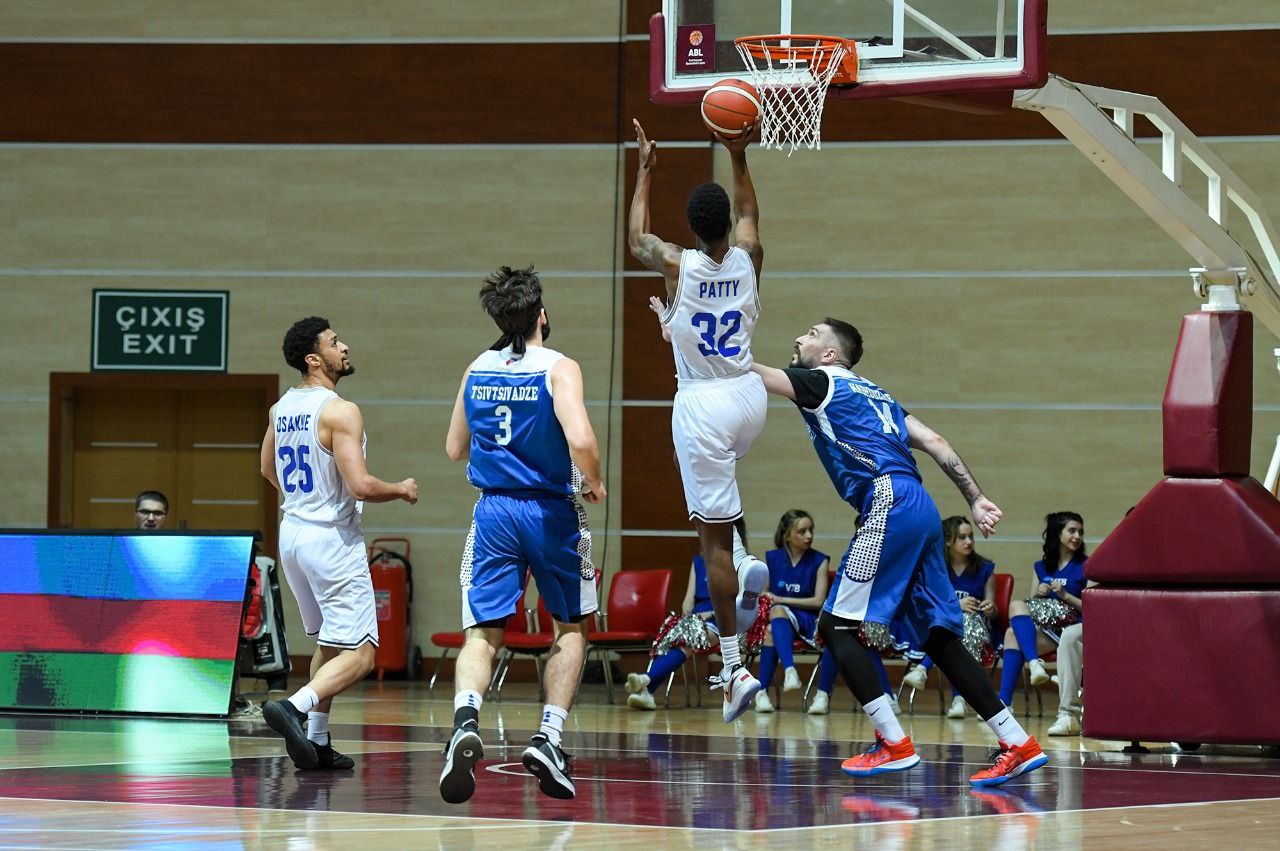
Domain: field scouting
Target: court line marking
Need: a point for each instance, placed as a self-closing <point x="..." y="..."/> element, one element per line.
<point x="499" y="822"/>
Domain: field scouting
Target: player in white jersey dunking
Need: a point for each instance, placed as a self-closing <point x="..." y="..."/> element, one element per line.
<point x="894" y="571"/>
<point x="313" y="453"/>
<point x="520" y="422"/>
<point x="719" y="410"/>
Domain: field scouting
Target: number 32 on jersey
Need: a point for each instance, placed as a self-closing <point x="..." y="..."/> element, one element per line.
<point x="707" y="325"/>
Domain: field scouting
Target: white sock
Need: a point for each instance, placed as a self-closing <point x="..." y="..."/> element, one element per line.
<point x="305" y="699"/>
<point x="467" y="697"/>
<point x="553" y="718"/>
<point x="880" y="711"/>
<point x="318" y="727"/>
<point x="1007" y="728"/>
<point x="730" y="653"/>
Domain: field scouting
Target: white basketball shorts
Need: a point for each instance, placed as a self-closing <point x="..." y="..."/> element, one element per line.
<point x="327" y="570"/>
<point x="713" y="423"/>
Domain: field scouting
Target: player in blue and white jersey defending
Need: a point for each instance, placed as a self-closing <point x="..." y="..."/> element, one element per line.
<point x="712" y="306"/>
<point x="520" y="421"/>
<point x="894" y="569"/>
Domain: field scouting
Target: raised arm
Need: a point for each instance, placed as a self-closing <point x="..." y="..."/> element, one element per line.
<point x="457" y="443"/>
<point x="985" y="512"/>
<point x="649" y="249"/>
<point x="746" y="211"/>
<point x="566" y="388"/>
<point x="345" y="425"/>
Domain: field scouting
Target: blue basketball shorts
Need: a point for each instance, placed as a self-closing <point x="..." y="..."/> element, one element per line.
<point x="548" y="536"/>
<point x="894" y="571"/>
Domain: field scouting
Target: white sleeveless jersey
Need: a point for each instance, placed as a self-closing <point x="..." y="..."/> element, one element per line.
<point x="307" y="472"/>
<point x="713" y="314"/>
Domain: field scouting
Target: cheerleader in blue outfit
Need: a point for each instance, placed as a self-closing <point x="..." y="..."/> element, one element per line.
<point x="1055" y="604"/>
<point x="798" y="585"/>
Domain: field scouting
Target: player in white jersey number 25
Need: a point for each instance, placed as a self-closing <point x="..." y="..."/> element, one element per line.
<point x="313" y="454"/>
<point x="712" y="305"/>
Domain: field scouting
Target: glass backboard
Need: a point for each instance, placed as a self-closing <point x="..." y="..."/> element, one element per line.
<point x="905" y="47"/>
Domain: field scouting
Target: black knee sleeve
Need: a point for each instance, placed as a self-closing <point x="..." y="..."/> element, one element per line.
<point x="852" y="657"/>
<point x="968" y="677"/>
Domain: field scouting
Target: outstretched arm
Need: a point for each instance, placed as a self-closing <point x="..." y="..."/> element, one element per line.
<point x="775" y="381"/>
<point x="745" y="209"/>
<point x="566" y="387"/>
<point x="649" y="249"/>
<point x="985" y="512"/>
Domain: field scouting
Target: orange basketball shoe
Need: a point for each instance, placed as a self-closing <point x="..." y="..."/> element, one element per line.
<point x="1010" y="762"/>
<point x="882" y="757"/>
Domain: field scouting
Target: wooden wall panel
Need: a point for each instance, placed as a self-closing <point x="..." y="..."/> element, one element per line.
<point x="651" y="475"/>
<point x="334" y="209"/>
<point x="310" y="19"/>
<point x="671" y="553"/>
<point x="308" y="93"/>
<point x="961" y="207"/>
<point x="438" y="93"/>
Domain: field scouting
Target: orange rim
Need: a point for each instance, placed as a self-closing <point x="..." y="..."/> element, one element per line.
<point x="770" y="47"/>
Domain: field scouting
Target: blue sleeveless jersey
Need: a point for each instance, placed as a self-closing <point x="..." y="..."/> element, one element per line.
<point x="517" y="445"/>
<point x="975" y="584"/>
<point x="859" y="432"/>
<point x="800" y="580"/>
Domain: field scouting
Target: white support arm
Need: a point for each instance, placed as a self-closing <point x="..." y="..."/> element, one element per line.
<point x="1079" y="113"/>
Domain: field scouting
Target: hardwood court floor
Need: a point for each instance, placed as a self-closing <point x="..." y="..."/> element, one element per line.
<point x="677" y="778"/>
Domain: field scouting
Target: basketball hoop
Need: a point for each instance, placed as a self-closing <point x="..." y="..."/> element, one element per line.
<point x="791" y="73"/>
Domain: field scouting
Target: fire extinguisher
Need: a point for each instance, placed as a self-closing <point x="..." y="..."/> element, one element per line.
<point x="392" y="575"/>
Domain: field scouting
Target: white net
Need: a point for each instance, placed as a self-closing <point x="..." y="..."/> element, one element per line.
<point x="791" y="75"/>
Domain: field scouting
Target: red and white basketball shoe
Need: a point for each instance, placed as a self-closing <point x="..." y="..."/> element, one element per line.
<point x="1011" y="761"/>
<point x="882" y="757"/>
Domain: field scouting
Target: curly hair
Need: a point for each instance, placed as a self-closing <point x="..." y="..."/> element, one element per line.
<point x="786" y="523"/>
<point x="513" y="300"/>
<point x="951" y="531"/>
<point x="708" y="212"/>
<point x="1053" y="525"/>
<point x="300" y="341"/>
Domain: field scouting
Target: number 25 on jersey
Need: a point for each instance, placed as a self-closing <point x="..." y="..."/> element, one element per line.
<point x="295" y="462"/>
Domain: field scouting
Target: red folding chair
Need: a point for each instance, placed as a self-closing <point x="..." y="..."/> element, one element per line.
<point x="636" y="609"/>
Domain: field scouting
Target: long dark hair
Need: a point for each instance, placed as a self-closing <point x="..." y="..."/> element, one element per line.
<point x="951" y="531"/>
<point x="786" y="523"/>
<point x="1053" y="525"/>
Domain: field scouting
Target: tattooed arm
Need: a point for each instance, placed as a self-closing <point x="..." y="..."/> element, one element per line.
<point x="985" y="512"/>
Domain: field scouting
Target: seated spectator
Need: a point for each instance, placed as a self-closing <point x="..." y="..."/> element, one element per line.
<point x="798" y="588"/>
<point x="1070" y="671"/>
<point x="693" y="631"/>
<point x="974" y="579"/>
<point x="150" y="509"/>
<point x="1036" y="623"/>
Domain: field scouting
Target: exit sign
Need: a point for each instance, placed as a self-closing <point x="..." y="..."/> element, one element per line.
<point x="168" y="330"/>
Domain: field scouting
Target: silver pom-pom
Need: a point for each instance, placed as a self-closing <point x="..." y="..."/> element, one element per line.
<point x="1050" y="613"/>
<point x="976" y="637"/>
<point x="877" y="636"/>
<point x="688" y="631"/>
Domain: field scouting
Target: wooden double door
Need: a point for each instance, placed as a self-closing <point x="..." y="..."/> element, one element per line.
<point x="194" y="437"/>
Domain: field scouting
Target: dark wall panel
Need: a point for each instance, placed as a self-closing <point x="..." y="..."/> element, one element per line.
<point x="1219" y="83"/>
<point x="309" y="93"/>
<point x="649" y="472"/>
<point x="648" y="368"/>
<point x="675" y="554"/>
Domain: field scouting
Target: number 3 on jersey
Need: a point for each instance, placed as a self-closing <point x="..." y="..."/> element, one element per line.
<point x="503" y="437"/>
<point x="296" y="462"/>
<point x="707" y="323"/>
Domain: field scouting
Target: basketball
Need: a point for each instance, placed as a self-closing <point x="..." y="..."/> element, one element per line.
<point x="729" y="106"/>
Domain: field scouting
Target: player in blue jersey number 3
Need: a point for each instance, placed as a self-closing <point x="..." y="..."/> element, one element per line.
<point x="520" y="421"/>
